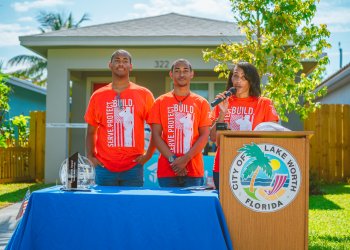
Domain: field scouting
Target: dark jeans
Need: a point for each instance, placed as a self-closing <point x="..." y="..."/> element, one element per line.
<point x="131" y="178"/>
<point x="180" y="181"/>
<point x="216" y="179"/>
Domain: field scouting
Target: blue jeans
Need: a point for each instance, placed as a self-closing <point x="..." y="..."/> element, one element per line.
<point x="216" y="180"/>
<point x="130" y="178"/>
<point x="180" y="181"/>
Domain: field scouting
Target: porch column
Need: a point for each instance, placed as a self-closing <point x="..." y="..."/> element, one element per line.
<point x="57" y="111"/>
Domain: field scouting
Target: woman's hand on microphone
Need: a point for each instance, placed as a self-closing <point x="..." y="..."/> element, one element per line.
<point x="223" y="106"/>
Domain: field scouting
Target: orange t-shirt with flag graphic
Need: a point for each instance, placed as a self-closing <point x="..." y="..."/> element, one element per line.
<point x="180" y="123"/>
<point x="245" y="114"/>
<point x="120" y="120"/>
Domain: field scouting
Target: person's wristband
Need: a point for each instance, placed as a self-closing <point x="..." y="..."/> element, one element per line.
<point x="171" y="159"/>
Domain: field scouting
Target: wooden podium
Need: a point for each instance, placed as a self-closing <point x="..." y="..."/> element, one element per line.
<point x="273" y="212"/>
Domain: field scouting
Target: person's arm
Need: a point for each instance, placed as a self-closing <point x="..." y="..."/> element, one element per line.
<point x="179" y="165"/>
<point x="164" y="149"/>
<point x="223" y="106"/>
<point x="158" y="141"/>
<point x="142" y="159"/>
<point x="90" y="145"/>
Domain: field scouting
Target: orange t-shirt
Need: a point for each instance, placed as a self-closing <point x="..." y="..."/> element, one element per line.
<point x="180" y="123"/>
<point x="120" y="121"/>
<point x="245" y="114"/>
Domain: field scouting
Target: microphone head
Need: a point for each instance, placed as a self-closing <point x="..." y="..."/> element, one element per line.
<point x="233" y="90"/>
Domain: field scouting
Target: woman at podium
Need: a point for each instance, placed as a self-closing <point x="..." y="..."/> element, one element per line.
<point x="244" y="109"/>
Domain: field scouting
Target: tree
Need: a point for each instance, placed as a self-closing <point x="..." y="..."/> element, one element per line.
<point x="50" y="21"/>
<point x="35" y="69"/>
<point x="280" y="36"/>
<point x="4" y="96"/>
<point x="260" y="162"/>
<point x="35" y="66"/>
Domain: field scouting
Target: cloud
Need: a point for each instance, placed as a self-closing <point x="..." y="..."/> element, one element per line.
<point x="37" y="4"/>
<point x="213" y="9"/>
<point x="334" y="13"/>
<point x="25" y="19"/>
<point x="9" y="33"/>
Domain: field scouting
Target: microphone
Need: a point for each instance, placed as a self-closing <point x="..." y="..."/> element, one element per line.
<point x="228" y="93"/>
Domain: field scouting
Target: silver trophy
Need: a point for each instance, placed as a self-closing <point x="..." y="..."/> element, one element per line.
<point x="77" y="173"/>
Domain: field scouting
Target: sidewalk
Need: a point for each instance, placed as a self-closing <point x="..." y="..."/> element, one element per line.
<point x="8" y="223"/>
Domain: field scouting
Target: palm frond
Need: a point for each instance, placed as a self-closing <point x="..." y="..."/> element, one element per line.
<point x="252" y="150"/>
<point x="265" y="166"/>
<point x="25" y="59"/>
<point x="85" y="17"/>
<point x="250" y="169"/>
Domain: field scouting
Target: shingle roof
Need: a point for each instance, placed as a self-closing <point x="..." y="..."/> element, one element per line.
<point x="171" y="24"/>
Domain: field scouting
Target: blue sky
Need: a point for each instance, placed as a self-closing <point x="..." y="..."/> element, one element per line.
<point x="18" y="17"/>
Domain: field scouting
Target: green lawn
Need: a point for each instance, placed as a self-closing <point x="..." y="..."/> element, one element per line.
<point x="329" y="214"/>
<point x="329" y="218"/>
<point x="14" y="192"/>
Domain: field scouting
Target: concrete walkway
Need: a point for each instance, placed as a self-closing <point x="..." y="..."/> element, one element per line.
<point x="8" y="223"/>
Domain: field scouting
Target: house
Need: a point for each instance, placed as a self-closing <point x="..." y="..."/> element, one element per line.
<point x="80" y="56"/>
<point x="338" y="87"/>
<point x="25" y="97"/>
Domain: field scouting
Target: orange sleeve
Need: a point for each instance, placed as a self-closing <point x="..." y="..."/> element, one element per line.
<point x="149" y="104"/>
<point x="90" y="115"/>
<point x="154" y="114"/>
<point x="214" y="114"/>
<point x="270" y="112"/>
<point x="205" y="117"/>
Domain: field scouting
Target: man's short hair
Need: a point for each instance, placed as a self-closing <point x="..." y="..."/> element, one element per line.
<point x="181" y="61"/>
<point x="120" y="51"/>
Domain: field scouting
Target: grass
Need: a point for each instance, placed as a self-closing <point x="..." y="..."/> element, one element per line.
<point x="329" y="218"/>
<point x="14" y="192"/>
<point x="329" y="214"/>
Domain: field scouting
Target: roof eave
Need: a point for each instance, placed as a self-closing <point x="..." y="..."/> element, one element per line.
<point x="40" y="45"/>
<point x="26" y="85"/>
<point x="336" y="81"/>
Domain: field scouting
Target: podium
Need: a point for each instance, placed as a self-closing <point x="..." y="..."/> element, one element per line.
<point x="264" y="188"/>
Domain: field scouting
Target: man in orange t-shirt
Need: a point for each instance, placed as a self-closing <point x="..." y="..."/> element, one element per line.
<point x="180" y="123"/>
<point x="116" y="115"/>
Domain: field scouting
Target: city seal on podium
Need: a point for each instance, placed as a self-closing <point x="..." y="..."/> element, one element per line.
<point x="264" y="177"/>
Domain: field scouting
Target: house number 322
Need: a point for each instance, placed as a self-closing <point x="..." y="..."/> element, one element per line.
<point x="161" y="64"/>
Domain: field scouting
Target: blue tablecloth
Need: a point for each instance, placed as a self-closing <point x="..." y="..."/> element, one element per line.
<point x="122" y="218"/>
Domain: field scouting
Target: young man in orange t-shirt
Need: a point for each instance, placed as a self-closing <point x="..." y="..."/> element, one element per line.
<point x="116" y="115"/>
<point x="180" y="123"/>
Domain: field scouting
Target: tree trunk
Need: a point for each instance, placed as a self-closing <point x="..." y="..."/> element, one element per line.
<point x="252" y="181"/>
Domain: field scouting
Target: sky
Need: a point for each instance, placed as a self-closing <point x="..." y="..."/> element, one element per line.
<point x="18" y="18"/>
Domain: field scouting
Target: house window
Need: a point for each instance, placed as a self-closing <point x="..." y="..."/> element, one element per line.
<point x="201" y="89"/>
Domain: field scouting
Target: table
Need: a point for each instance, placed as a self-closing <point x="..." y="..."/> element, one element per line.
<point x="122" y="218"/>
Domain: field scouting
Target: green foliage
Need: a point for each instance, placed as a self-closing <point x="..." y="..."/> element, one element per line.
<point x="280" y="36"/>
<point x="21" y="123"/>
<point x="15" y="132"/>
<point x="35" y="69"/>
<point x="7" y="135"/>
<point x="50" y="21"/>
<point x="4" y="96"/>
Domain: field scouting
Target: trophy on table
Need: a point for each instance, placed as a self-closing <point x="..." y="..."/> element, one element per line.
<point x="77" y="173"/>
